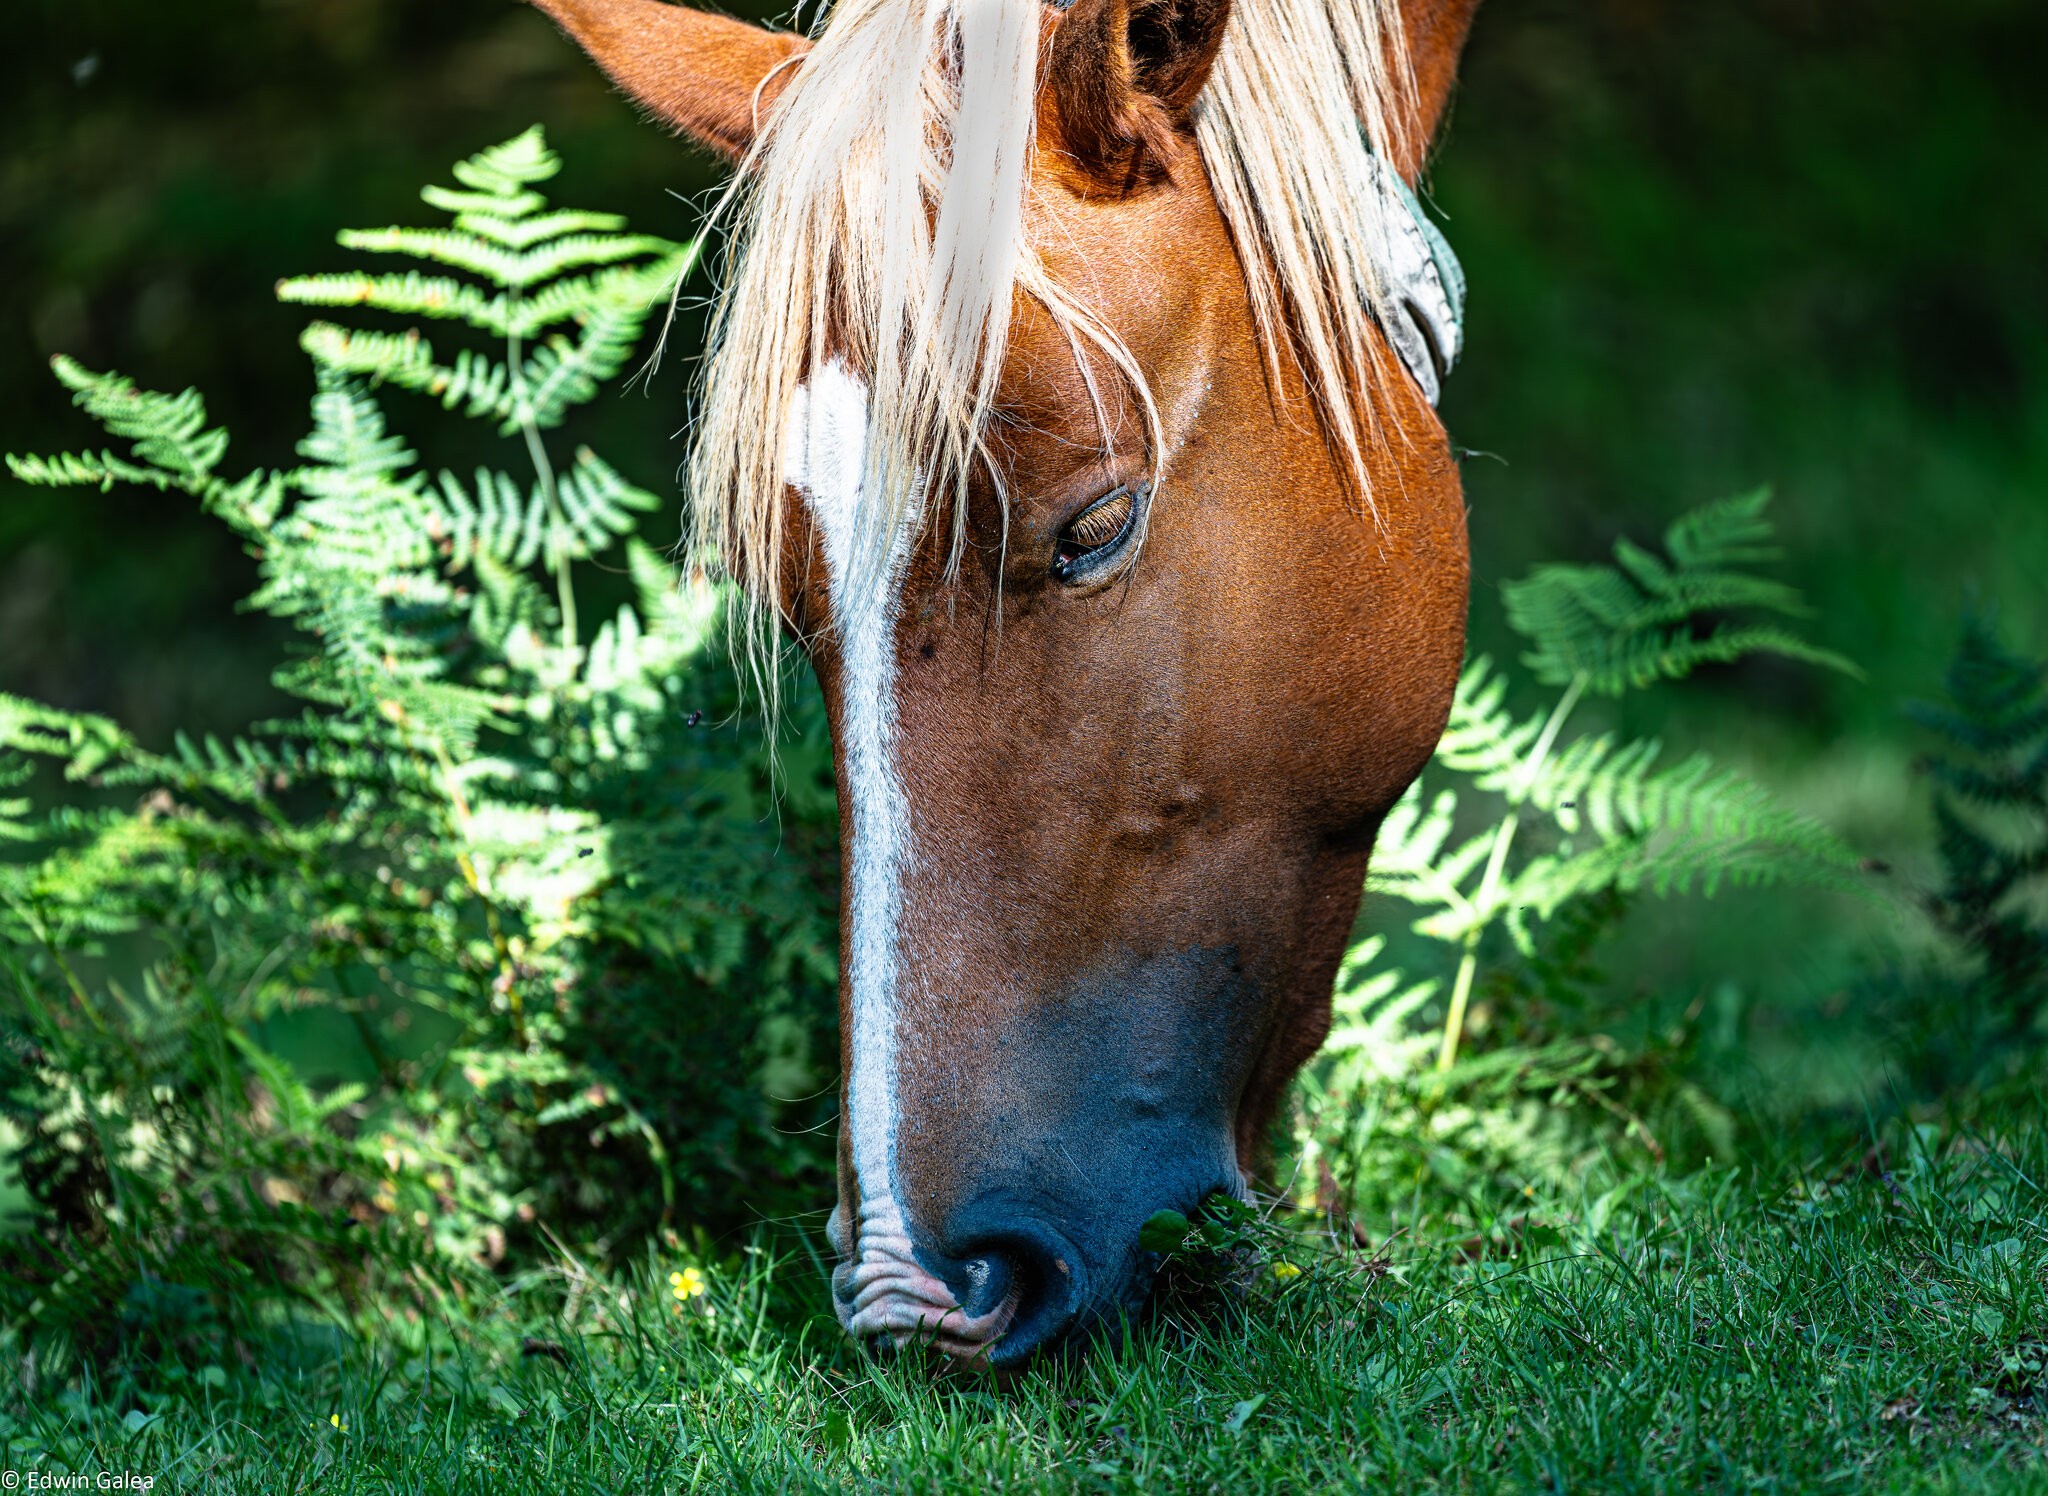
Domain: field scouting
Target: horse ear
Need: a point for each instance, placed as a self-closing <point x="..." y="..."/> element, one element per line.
<point x="1123" y="76"/>
<point x="1435" y="33"/>
<point x="711" y="77"/>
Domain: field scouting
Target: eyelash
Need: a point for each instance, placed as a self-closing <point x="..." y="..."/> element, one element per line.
<point x="1099" y="530"/>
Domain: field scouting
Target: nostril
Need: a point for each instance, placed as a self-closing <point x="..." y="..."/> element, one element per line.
<point x="986" y="1283"/>
<point x="1034" y="1273"/>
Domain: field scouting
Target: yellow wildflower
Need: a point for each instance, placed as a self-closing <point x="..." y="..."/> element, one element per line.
<point x="1285" y="1270"/>
<point x="687" y="1284"/>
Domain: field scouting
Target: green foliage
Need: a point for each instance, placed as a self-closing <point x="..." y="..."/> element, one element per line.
<point x="493" y="937"/>
<point x="1990" y="778"/>
<point x="1529" y="854"/>
<point x="1611" y="629"/>
<point x="1803" y="1323"/>
<point x="502" y="236"/>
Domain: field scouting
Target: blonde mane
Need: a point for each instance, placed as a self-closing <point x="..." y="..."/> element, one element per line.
<point x="880" y="220"/>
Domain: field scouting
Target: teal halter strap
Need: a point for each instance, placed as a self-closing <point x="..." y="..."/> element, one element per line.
<point x="1425" y="285"/>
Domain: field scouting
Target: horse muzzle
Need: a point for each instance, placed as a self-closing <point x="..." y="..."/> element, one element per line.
<point x="1028" y="1153"/>
<point x="1005" y="1283"/>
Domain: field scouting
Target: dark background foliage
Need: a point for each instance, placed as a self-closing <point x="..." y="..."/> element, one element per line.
<point x="1768" y="240"/>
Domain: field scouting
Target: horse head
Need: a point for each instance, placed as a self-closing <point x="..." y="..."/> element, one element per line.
<point x="1051" y="406"/>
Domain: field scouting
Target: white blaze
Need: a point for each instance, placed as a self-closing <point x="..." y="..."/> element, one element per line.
<point x="882" y="1290"/>
<point x="825" y="457"/>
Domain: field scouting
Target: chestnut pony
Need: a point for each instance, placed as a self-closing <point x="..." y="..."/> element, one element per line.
<point x="1051" y="405"/>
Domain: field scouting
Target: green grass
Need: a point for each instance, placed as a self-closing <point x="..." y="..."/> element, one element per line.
<point x="1877" y="1322"/>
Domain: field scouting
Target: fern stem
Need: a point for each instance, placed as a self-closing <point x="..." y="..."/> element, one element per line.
<point x="1496" y="866"/>
<point x="1539" y="753"/>
<point x="1468" y="964"/>
<point x="558" y="554"/>
<point x="544" y="472"/>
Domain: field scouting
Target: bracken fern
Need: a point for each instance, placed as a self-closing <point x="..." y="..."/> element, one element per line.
<point x="1570" y="828"/>
<point x="1990" y="778"/>
<point x="537" y="898"/>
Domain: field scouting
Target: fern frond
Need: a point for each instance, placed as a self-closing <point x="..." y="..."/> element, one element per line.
<point x="349" y="436"/>
<point x="1372" y="1009"/>
<point x="490" y="517"/>
<point x="562" y="373"/>
<point x="553" y="378"/>
<point x="83" y="742"/>
<point x="516" y="269"/>
<point x="400" y="843"/>
<point x="172" y="446"/>
<point x="101" y="470"/>
<point x="598" y="505"/>
<point x="1410" y="836"/>
<point x="1481" y="737"/>
<point x="15" y="771"/>
<point x="1990" y="771"/>
<point x="684" y="610"/>
<point x="169" y="431"/>
<point x="523" y="232"/>
<point x="1439" y="882"/>
<point x="1998" y="698"/>
<point x="1725" y="533"/>
<point x="571" y="299"/>
<point x="511" y="203"/>
<point x="1629" y="625"/>
<point x="510" y="167"/>
<point x="1692" y="828"/>
<point x="409" y="294"/>
<point x="479" y="384"/>
<point x="446" y="298"/>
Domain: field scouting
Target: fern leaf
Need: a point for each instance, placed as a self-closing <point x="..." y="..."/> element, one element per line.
<point x="1437" y="882"/>
<point x="508" y="204"/>
<point x="561" y="373"/>
<point x="1998" y="698"/>
<point x="1725" y="533"/>
<point x="491" y="517"/>
<point x="598" y="505"/>
<point x="524" y="232"/>
<point x="570" y="299"/>
<point x="172" y="446"/>
<point x="84" y="742"/>
<point x="409" y="294"/>
<point x="509" y="168"/>
<point x="1411" y="837"/>
<point x="516" y="269"/>
<point x="169" y="431"/>
<point x="481" y="385"/>
<point x="1691" y="827"/>
<point x="1481" y="738"/>
<point x="349" y="434"/>
<point x="501" y="315"/>
<point x="1621" y="627"/>
<point x="101" y="470"/>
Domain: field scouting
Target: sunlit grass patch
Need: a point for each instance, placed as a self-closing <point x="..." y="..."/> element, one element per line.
<point x="1879" y="1320"/>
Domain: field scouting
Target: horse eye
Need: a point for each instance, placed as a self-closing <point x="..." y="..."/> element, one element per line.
<point x="1094" y="536"/>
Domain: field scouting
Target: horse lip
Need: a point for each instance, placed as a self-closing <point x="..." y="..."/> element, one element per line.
<point x="889" y="1296"/>
<point x="902" y="1315"/>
